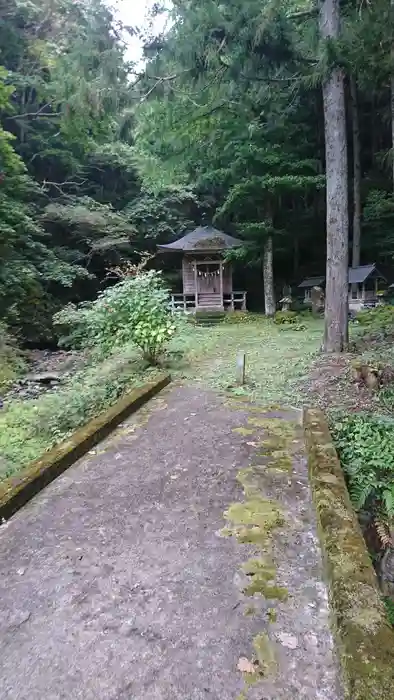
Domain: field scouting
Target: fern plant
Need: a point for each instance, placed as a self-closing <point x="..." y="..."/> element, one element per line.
<point x="389" y="603"/>
<point x="365" y="446"/>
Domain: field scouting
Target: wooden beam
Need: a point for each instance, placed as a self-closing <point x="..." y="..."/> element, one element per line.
<point x="195" y="285"/>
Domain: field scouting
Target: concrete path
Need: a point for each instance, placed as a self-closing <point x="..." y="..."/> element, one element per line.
<point x="118" y="581"/>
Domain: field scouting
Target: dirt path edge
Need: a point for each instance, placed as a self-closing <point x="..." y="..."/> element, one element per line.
<point x="364" y="637"/>
<point x="16" y="491"/>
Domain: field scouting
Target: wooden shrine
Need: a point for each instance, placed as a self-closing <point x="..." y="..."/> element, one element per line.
<point x="206" y="275"/>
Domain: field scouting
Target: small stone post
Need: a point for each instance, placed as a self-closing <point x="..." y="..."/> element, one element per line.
<point x="241" y="368"/>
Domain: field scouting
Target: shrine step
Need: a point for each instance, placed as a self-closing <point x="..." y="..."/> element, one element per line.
<point x="209" y="317"/>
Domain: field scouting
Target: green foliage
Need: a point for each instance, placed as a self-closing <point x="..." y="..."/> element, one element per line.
<point x="135" y="310"/>
<point x="285" y="317"/>
<point x="390" y="610"/>
<point x="381" y="318"/>
<point x="11" y="360"/>
<point x="102" y="160"/>
<point x="162" y="216"/>
<point x="29" y="428"/>
<point x="242" y="317"/>
<point x="365" y="446"/>
<point x="92" y="226"/>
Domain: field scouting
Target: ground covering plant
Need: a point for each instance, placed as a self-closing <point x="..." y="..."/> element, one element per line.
<point x="365" y="445"/>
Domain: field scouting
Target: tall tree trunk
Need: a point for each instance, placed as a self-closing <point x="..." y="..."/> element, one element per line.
<point x="356" y="248"/>
<point x="268" y="272"/>
<point x="296" y="256"/>
<point x="392" y="103"/>
<point x="336" y="306"/>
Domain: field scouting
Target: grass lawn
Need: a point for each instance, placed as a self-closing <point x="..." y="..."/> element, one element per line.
<point x="276" y="357"/>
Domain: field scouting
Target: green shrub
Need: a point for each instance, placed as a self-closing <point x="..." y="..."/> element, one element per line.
<point x="136" y="309"/>
<point x="365" y="446"/>
<point x="283" y="317"/>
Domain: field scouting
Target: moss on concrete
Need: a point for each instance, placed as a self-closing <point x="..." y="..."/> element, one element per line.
<point x="243" y="431"/>
<point x="262" y="573"/>
<point x="254" y="520"/>
<point x="16" y="491"/>
<point x="265" y="653"/>
<point x="365" y="639"/>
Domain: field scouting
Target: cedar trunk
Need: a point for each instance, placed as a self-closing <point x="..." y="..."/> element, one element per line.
<point x="336" y="307"/>
<point x="356" y="175"/>
<point x="392" y="100"/>
<point x="268" y="272"/>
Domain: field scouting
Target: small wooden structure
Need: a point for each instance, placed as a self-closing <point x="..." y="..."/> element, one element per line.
<point x="207" y="277"/>
<point x="365" y="282"/>
<point x="308" y="284"/>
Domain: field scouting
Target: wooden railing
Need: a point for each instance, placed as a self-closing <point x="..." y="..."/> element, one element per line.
<point x="183" y="302"/>
<point x="236" y="301"/>
<point x="186" y="303"/>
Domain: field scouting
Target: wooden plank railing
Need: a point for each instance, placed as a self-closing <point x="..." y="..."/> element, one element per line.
<point x="235" y="301"/>
<point x="186" y="303"/>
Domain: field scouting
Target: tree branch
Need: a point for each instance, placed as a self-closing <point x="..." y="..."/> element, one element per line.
<point x="39" y="113"/>
<point x="303" y="14"/>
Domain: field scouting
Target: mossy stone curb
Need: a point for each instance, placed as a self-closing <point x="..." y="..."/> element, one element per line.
<point x="16" y="491"/>
<point x="364" y="638"/>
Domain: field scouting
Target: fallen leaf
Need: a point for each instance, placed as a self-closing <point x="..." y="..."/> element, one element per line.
<point x="245" y="666"/>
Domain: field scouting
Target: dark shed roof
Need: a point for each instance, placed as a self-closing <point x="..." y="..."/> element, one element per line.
<point x="357" y="275"/>
<point x="203" y="238"/>
<point x="312" y="282"/>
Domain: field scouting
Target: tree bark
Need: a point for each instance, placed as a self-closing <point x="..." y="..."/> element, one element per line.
<point x="268" y="272"/>
<point x="336" y="306"/>
<point x="392" y="102"/>
<point x="356" y="248"/>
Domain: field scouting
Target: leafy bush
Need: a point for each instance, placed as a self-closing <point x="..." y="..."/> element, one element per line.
<point x="283" y="317"/>
<point x="134" y="310"/>
<point x="365" y="446"/>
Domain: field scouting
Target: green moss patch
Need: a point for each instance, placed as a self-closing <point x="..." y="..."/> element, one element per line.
<point x="365" y="639"/>
<point x="265" y="653"/>
<point x="261" y="574"/>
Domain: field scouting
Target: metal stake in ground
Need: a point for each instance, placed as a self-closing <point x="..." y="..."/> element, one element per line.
<point x="241" y="360"/>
